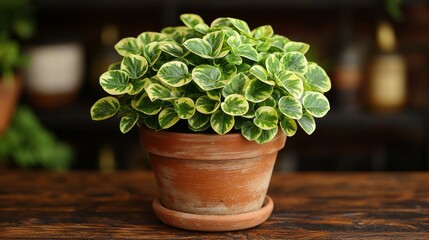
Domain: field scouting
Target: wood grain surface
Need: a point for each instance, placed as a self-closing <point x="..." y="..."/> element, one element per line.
<point x="90" y="205"/>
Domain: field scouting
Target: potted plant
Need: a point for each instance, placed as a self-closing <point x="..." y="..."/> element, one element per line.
<point x="15" y="23"/>
<point x="227" y="97"/>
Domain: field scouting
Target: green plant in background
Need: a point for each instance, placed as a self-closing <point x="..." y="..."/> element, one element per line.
<point x="15" y="24"/>
<point x="220" y="77"/>
<point x="28" y="144"/>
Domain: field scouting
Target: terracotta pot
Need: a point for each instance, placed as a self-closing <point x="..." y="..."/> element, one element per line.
<point x="9" y="95"/>
<point x="205" y="174"/>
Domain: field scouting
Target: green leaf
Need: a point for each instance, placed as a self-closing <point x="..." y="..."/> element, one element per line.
<point x="115" y="82"/>
<point x="214" y="94"/>
<point x="128" y="46"/>
<point x="152" y="123"/>
<point x="258" y="91"/>
<point x="148" y="37"/>
<point x="104" y="108"/>
<point x="184" y="107"/>
<point x="191" y="20"/>
<point x="168" y="117"/>
<point x="152" y="52"/>
<point x="138" y="85"/>
<point x="263" y="32"/>
<point x="206" y="105"/>
<point x="236" y="85"/>
<point x="295" y="62"/>
<point x="174" y="73"/>
<point x="279" y="42"/>
<point x="221" y="122"/>
<point x="317" y="78"/>
<point x="296" y="47"/>
<point x="247" y="51"/>
<point x="145" y="105"/>
<point x="292" y="83"/>
<point x="271" y="102"/>
<point x="221" y="23"/>
<point x="307" y="123"/>
<point x="290" y="107"/>
<point x="266" y="118"/>
<point x="273" y="66"/>
<point x="288" y="126"/>
<point x="128" y="122"/>
<point x="250" y="131"/>
<point x="260" y="73"/>
<point x="115" y="66"/>
<point x="240" y="25"/>
<point x="198" y="120"/>
<point x="267" y="135"/>
<point x="234" y="42"/>
<point x="172" y="49"/>
<point x="202" y="28"/>
<point x="199" y="47"/>
<point x="157" y="91"/>
<point x="227" y="70"/>
<point x="235" y="105"/>
<point x="234" y="59"/>
<point x="206" y="76"/>
<point x="316" y="104"/>
<point x="215" y="39"/>
<point x="134" y="65"/>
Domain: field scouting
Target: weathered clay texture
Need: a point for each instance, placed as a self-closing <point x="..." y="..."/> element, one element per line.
<point x="211" y="174"/>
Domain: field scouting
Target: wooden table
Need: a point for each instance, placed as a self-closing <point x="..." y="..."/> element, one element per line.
<point x="92" y="205"/>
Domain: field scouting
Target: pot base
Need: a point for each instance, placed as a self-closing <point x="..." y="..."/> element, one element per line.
<point x="213" y="223"/>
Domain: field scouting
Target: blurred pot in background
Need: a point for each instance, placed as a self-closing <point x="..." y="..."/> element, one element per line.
<point x="54" y="74"/>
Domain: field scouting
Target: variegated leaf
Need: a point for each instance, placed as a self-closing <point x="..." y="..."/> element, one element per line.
<point x="168" y="117"/>
<point x="185" y="107"/>
<point x="263" y="32"/>
<point x="152" y="123"/>
<point x="266" y="118"/>
<point x="237" y="85"/>
<point x="115" y="82"/>
<point x="157" y="91"/>
<point x="221" y="122"/>
<point x="206" y="105"/>
<point x="247" y="51"/>
<point x="206" y="76"/>
<point x="235" y="105"/>
<point x="296" y="47"/>
<point x="273" y="65"/>
<point x="215" y="39"/>
<point x="134" y="65"/>
<point x="199" y="120"/>
<point x="234" y="59"/>
<point x="152" y="52"/>
<point x="240" y="25"/>
<point x="221" y="23"/>
<point x="258" y="91"/>
<point x="128" y="46"/>
<point x="104" y="108"/>
<point x="316" y="104"/>
<point x="267" y="135"/>
<point x="128" y="122"/>
<point x="174" y="73"/>
<point x="145" y="105"/>
<point x="199" y="47"/>
<point x="138" y="85"/>
<point x="234" y="42"/>
<point x="279" y="42"/>
<point x="191" y="20"/>
<point x="292" y="83"/>
<point x="295" y="62"/>
<point x="270" y="101"/>
<point x="227" y="70"/>
<point x="317" y="78"/>
<point x="260" y="73"/>
<point x="288" y="126"/>
<point x="250" y="131"/>
<point x="307" y="123"/>
<point x="214" y="94"/>
<point x="148" y="37"/>
<point x="202" y="28"/>
<point x="172" y="49"/>
<point x="290" y="107"/>
<point x="115" y="66"/>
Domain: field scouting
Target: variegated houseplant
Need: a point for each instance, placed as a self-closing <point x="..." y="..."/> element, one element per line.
<point x="222" y="77"/>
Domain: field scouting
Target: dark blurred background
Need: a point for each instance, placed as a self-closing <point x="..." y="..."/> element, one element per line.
<point x="376" y="53"/>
